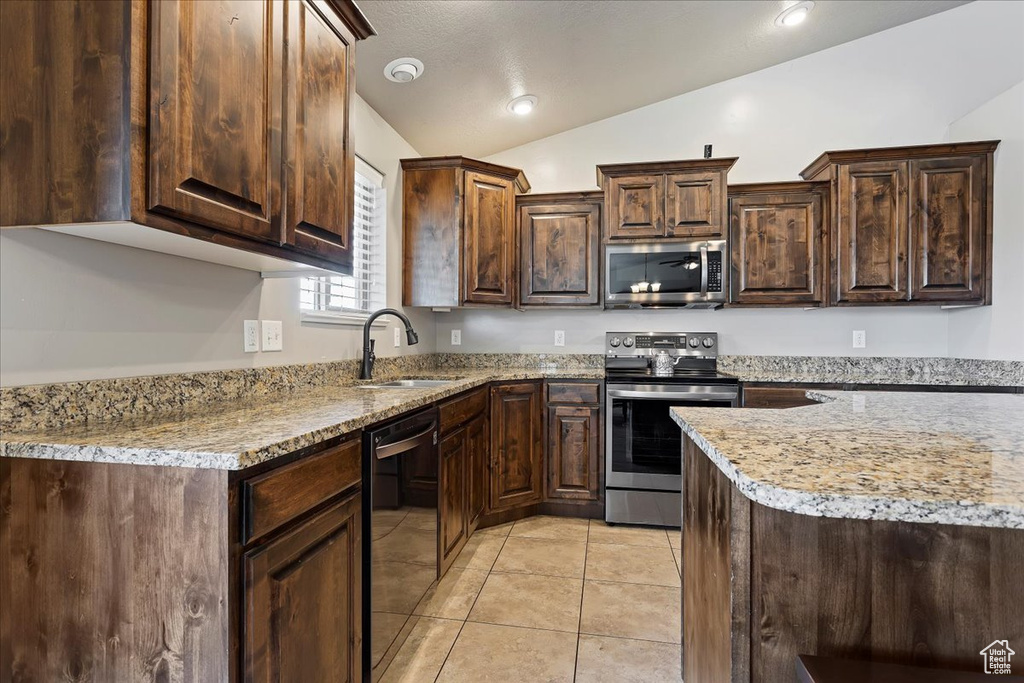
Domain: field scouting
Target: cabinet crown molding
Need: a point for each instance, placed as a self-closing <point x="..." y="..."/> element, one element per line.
<point x="654" y="167"/>
<point x="514" y="174"/>
<point x="883" y="153"/>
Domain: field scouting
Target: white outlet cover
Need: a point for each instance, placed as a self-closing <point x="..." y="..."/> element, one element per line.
<point x="456" y="337"/>
<point x="273" y="333"/>
<point x="398" y="337"/>
<point x="251" y="335"/>
<point x="860" y="339"/>
<point x="559" y="337"/>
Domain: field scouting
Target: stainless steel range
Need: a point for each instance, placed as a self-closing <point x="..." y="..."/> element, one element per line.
<point x="646" y="373"/>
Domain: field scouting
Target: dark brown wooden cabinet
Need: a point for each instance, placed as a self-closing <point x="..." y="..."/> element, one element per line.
<point x="223" y="121"/>
<point x="779" y="244"/>
<point x="458" y="228"/>
<point x="559" y="249"/>
<point x="667" y="199"/>
<point x="517" y="427"/>
<point x="478" y="434"/>
<point x="910" y="225"/>
<point x="573" y="453"/>
<point x="303" y="601"/>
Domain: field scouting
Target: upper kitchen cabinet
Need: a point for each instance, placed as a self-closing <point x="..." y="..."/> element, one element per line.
<point x="779" y="243"/>
<point x="458" y="220"/>
<point x="910" y="224"/>
<point x="223" y="121"/>
<point x="665" y="199"/>
<point x="559" y="249"/>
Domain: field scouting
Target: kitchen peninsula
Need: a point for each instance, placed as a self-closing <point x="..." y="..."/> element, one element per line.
<point x="877" y="526"/>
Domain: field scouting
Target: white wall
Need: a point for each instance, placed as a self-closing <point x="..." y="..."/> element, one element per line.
<point x="73" y="308"/>
<point x="998" y="331"/>
<point x="902" y="86"/>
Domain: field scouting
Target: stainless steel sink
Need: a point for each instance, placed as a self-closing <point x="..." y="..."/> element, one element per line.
<point x="408" y="384"/>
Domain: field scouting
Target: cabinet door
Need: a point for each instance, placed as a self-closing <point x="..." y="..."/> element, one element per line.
<point x="212" y="79"/>
<point x="453" y="457"/>
<point x="778" y="248"/>
<point x="871" y="232"/>
<point x="318" y="172"/>
<point x="635" y="206"/>
<point x="479" y="437"/>
<point x="559" y="246"/>
<point x="489" y="240"/>
<point x="694" y="204"/>
<point x="573" y="438"/>
<point x="516" y="447"/>
<point x="302" y="608"/>
<point x="948" y="227"/>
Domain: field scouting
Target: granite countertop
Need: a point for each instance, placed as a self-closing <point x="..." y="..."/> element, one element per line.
<point x="914" y="457"/>
<point x="250" y="431"/>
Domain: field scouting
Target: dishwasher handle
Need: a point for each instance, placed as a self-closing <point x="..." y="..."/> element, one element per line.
<point x="425" y="438"/>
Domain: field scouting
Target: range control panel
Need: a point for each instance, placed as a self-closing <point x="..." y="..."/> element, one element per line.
<point x="633" y="344"/>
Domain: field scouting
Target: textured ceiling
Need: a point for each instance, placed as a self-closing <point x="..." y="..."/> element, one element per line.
<point x="585" y="60"/>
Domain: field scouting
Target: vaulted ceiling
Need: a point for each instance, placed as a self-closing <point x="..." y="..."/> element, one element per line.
<point x="584" y="59"/>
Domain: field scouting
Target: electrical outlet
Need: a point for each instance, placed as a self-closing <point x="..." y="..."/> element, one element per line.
<point x="559" y="337"/>
<point x="456" y="337"/>
<point x="273" y="334"/>
<point x="251" y="335"/>
<point x="398" y="337"/>
<point x="860" y="339"/>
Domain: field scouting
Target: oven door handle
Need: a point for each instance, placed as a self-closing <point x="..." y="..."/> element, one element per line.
<point x="673" y="395"/>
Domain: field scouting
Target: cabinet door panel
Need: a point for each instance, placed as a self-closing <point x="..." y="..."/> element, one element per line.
<point x="454" y="464"/>
<point x="778" y="248"/>
<point x="303" y="595"/>
<point x="489" y="235"/>
<point x="693" y="204"/>
<point x="573" y="436"/>
<point x="318" y="173"/>
<point x="636" y="207"/>
<point x="559" y="254"/>
<point x="211" y="156"/>
<point x="516" y="448"/>
<point x="871" y="232"/>
<point x="947" y="229"/>
<point x="478" y="434"/>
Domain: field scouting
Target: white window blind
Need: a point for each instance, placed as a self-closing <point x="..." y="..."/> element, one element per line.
<point x="363" y="291"/>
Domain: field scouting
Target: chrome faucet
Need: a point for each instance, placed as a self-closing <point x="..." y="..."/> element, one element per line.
<point x="366" y="372"/>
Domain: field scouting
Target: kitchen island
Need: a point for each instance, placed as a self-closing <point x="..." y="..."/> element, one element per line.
<point x="876" y="526"/>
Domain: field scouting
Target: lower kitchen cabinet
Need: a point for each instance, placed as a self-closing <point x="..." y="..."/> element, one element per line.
<point x="303" y="601"/>
<point x="478" y="435"/>
<point x="453" y="503"/>
<point x="573" y="442"/>
<point x="517" y="476"/>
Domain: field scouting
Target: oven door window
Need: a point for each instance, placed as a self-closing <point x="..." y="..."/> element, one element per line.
<point x="645" y="439"/>
<point x="666" y="272"/>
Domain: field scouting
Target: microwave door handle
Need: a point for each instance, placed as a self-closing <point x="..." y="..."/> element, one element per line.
<point x="704" y="269"/>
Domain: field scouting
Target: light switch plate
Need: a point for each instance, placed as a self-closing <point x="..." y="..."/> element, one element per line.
<point x="559" y="337"/>
<point x="251" y="335"/>
<point x="272" y="335"/>
<point x="456" y="337"/>
<point x="860" y="339"/>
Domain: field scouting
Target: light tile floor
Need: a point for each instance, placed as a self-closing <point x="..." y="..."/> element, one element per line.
<point x="550" y="599"/>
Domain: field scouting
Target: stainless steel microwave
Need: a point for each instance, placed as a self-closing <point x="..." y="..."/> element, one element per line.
<point x="666" y="274"/>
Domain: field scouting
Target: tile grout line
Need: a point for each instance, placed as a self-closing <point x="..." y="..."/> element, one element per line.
<point x="583" y="592"/>
<point x="466" y="620"/>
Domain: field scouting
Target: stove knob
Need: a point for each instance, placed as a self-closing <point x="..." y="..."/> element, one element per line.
<point x="694" y="342"/>
<point x="709" y="342"/>
<point x="627" y="342"/>
<point x="614" y="341"/>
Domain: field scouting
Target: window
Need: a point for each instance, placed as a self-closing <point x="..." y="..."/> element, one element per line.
<point x="363" y="290"/>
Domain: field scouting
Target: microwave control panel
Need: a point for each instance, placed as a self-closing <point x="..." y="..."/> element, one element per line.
<point x="714" y="271"/>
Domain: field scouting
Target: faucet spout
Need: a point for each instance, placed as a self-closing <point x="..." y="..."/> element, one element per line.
<point x="366" y="369"/>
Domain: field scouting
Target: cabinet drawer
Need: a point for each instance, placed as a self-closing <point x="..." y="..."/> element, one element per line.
<point x="565" y="392"/>
<point x="272" y="499"/>
<point x="460" y="410"/>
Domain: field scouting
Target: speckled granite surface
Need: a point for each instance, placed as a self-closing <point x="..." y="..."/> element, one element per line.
<point x="915" y="457"/>
<point x="245" y="432"/>
<point x="561" y="361"/>
<point x="874" y="370"/>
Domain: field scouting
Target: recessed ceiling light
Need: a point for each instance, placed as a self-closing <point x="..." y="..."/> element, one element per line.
<point x="403" y="70"/>
<point x="522" y="105"/>
<point x="794" y="15"/>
